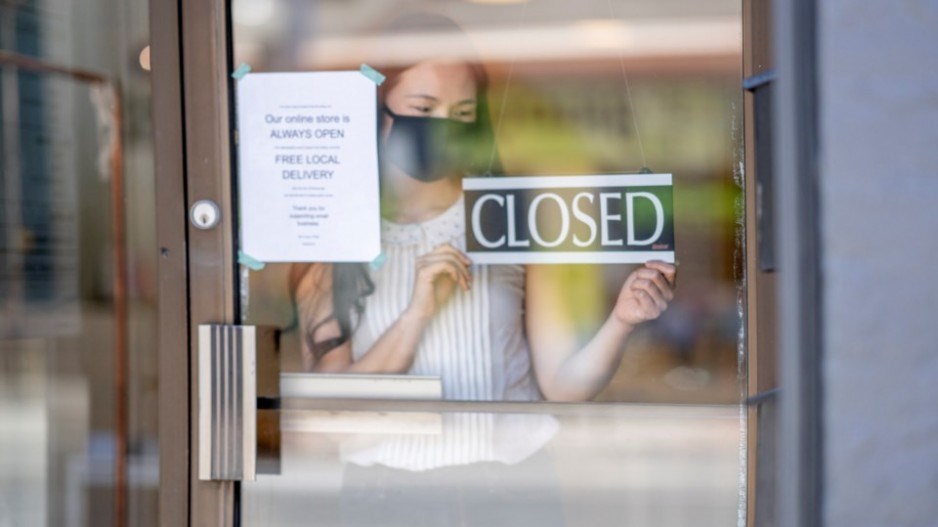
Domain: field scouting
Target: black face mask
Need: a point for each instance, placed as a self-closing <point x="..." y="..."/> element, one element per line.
<point x="430" y="149"/>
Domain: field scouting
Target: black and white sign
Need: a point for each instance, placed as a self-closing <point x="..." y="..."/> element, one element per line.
<point x="308" y="155"/>
<point x="569" y="219"/>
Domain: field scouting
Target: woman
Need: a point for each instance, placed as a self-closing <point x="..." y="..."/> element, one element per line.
<point x="427" y="305"/>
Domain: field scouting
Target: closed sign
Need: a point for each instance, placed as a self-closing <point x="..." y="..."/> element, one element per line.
<point x="569" y="219"/>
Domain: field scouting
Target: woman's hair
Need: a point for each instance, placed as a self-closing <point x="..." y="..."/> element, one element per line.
<point x="346" y="285"/>
<point x="324" y="293"/>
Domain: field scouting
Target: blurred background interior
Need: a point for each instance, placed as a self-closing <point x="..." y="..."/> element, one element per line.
<point x="587" y="87"/>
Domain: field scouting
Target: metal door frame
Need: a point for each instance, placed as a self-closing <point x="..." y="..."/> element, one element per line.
<point x="197" y="271"/>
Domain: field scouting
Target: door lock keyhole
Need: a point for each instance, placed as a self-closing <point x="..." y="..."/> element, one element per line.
<point x="204" y="214"/>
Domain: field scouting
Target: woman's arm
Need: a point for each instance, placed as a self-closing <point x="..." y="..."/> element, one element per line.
<point x="393" y="352"/>
<point x="437" y="274"/>
<point x="565" y="373"/>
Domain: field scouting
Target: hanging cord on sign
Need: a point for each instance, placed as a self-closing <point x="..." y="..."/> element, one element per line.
<point x="501" y="109"/>
<point x="628" y="94"/>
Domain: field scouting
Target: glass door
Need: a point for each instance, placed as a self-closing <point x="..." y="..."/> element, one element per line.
<point x="547" y="369"/>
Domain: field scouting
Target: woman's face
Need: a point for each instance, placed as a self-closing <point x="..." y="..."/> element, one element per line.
<point x="435" y="89"/>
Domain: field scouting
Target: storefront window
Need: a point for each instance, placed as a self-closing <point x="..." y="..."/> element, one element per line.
<point x="493" y="91"/>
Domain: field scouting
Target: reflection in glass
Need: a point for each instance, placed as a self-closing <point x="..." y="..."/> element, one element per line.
<point x="662" y="466"/>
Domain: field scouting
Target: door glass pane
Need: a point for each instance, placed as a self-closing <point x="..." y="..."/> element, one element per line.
<point x="78" y="387"/>
<point x="544" y="88"/>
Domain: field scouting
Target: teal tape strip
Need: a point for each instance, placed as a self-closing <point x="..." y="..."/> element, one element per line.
<point x="242" y="70"/>
<point x="250" y="262"/>
<point x="378" y="262"/>
<point x="372" y="74"/>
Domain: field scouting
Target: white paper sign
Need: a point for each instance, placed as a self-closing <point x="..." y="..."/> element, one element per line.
<point x="308" y="156"/>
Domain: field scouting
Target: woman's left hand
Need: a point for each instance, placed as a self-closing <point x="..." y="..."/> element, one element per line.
<point x="646" y="293"/>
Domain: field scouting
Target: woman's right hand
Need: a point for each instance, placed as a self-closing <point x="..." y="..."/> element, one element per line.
<point x="438" y="272"/>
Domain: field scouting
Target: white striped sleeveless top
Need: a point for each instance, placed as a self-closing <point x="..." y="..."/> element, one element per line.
<point x="475" y="344"/>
